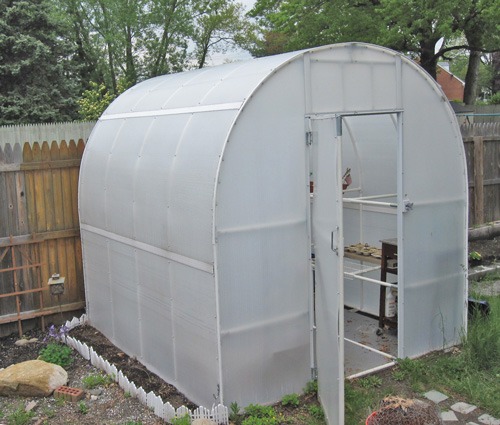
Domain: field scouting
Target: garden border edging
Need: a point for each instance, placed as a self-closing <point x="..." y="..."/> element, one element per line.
<point x="218" y="413"/>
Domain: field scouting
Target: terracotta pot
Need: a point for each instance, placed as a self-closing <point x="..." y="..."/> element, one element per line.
<point x="369" y="418"/>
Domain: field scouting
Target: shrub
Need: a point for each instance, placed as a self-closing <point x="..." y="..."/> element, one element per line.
<point x="260" y="415"/>
<point x="93" y="381"/>
<point x="57" y="354"/>
<point x="290" y="400"/>
<point x="311" y="387"/>
<point x="316" y="412"/>
<point x="183" y="420"/>
<point x="495" y="99"/>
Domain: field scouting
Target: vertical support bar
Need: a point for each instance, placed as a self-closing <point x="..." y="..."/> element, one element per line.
<point x="38" y="273"/>
<point x="478" y="180"/>
<point x="311" y="291"/>
<point x="17" y="289"/>
<point x="400" y="230"/>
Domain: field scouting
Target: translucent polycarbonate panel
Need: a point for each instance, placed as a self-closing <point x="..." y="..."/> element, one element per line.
<point x="328" y="248"/>
<point x="92" y="186"/>
<point x="354" y="80"/>
<point x="273" y="291"/>
<point x="208" y="86"/>
<point x="192" y="183"/>
<point x="97" y="284"/>
<point x="433" y="246"/>
<point x="262" y="247"/>
<point x="195" y="338"/>
<point x="155" y="314"/>
<point x="154" y="180"/>
<point x="270" y="359"/>
<point x="124" y="297"/>
<point x="120" y="177"/>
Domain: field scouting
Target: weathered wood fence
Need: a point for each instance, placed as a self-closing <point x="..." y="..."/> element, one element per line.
<point x="482" y="149"/>
<point x="39" y="228"/>
<point x="39" y="231"/>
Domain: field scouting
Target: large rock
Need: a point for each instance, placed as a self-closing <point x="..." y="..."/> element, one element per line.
<point x="34" y="378"/>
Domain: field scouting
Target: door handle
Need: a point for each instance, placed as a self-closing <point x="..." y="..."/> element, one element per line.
<point x="332" y="247"/>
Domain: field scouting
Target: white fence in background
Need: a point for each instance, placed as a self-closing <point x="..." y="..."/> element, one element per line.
<point x="218" y="413"/>
<point x="45" y="132"/>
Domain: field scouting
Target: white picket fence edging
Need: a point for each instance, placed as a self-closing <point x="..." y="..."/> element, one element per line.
<point x="218" y="413"/>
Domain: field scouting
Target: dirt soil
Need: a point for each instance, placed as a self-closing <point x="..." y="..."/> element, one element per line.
<point x="488" y="248"/>
<point x="104" y="405"/>
<point x="109" y="405"/>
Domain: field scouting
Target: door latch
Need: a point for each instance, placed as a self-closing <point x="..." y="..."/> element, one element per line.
<point x="407" y="205"/>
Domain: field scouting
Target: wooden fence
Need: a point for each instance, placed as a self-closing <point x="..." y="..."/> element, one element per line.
<point x="39" y="231"/>
<point x="482" y="149"/>
<point x="39" y="227"/>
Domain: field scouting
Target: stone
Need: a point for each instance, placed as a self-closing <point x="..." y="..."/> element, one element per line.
<point x="449" y="416"/>
<point x="203" y="422"/>
<point x="488" y="420"/>
<point x="24" y="341"/>
<point x="33" y="378"/>
<point x="31" y="405"/>
<point x="435" y="396"/>
<point x="463" y="408"/>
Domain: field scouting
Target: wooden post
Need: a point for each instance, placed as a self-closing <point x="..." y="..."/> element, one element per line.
<point x="478" y="180"/>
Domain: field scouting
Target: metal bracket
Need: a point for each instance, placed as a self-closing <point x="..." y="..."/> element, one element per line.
<point x="309" y="138"/>
<point x="407" y="205"/>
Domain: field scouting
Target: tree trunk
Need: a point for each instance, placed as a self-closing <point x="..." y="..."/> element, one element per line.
<point x="130" y="71"/>
<point x="428" y="60"/>
<point x="495" y="84"/>
<point x="472" y="77"/>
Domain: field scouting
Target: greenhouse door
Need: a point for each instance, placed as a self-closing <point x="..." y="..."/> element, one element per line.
<point x="327" y="238"/>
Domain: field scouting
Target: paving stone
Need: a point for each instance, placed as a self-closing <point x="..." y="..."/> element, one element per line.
<point x="463" y="408"/>
<point x="449" y="416"/>
<point x="435" y="396"/>
<point x="471" y="423"/>
<point x="488" y="420"/>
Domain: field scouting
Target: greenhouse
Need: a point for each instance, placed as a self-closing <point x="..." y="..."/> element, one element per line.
<point x="251" y="226"/>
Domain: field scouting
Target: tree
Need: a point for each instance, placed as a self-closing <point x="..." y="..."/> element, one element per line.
<point x="298" y="24"/>
<point x="97" y="98"/>
<point x="413" y="27"/>
<point x="219" y="25"/>
<point x="38" y="82"/>
<point x="495" y="80"/>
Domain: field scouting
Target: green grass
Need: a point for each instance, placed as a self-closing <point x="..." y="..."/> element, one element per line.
<point x="471" y="373"/>
<point x="96" y="380"/>
<point x="20" y="416"/>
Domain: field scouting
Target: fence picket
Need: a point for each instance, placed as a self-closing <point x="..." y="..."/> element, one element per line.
<point x="168" y="412"/>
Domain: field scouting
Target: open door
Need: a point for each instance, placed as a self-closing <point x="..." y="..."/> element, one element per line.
<point x="327" y="236"/>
